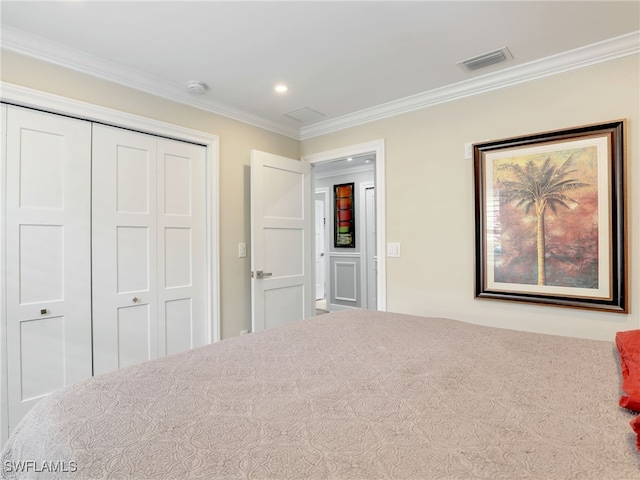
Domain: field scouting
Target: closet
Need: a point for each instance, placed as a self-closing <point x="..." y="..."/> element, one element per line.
<point x="105" y="241"/>
<point x="148" y="247"/>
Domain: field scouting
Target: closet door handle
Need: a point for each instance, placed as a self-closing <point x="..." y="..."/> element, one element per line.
<point x="135" y="299"/>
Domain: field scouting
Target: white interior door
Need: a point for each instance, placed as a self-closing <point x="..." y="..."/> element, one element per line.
<point x="320" y="249"/>
<point x="48" y="311"/>
<point x="282" y="236"/>
<point x="125" y="317"/>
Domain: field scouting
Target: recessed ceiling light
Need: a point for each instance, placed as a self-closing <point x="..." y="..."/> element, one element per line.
<point x="281" y="88"/>
<point x="350" y="159"/>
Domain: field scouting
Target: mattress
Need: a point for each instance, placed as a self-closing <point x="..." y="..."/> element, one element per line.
<point x="349" y="395"/>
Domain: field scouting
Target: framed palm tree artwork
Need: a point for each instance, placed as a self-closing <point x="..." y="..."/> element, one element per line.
<point x="550" y="218"/>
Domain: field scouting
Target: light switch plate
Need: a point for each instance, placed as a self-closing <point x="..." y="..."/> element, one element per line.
<point x="242" y="250"/>
<point x="468" y="150"/>
<point x="393" y="250"/>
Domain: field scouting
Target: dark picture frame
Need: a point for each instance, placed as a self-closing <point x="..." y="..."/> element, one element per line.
<point x="550" y="220"/>
<point x="344" y="226"/>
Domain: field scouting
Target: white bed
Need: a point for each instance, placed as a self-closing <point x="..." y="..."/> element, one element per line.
<point x="350" y="395"/>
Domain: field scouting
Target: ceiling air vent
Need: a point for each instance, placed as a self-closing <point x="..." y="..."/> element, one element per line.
<point x="486" y="59"/>
<point x="304" y="114"/>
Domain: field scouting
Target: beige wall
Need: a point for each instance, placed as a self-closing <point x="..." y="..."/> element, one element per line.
<point x="430" y="204"/>
<point x="426" y="173"/>
<point x="236" y="141"/>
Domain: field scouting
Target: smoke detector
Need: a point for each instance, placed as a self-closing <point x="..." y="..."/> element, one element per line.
<point x="197" y="88"/>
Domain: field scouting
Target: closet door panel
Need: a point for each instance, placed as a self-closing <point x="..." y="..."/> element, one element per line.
<point x="133" y="245"/>
<point x="134" y="339"/>
<point x="41" y="263"/>
<point x="124" y="245"/>
<point x="179" y="325"/>
<point x="48" y="291"/>
<point x="181" y="246"/>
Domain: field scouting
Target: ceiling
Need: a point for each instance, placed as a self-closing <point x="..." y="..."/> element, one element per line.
<point x="346" y="165"/>
<point x="350" y="61"/>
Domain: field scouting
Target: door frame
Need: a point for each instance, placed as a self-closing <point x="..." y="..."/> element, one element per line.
<point x="376" y="147"/>
<point x="4" y="380"/>
<point x="30" y="98"/>
<point x="364" y="262"/>
<point x="324" y="191"/>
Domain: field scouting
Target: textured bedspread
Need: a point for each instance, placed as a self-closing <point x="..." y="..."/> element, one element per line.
<point x="351" y="395"/>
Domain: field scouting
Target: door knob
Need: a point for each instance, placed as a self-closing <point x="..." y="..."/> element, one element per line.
<point x="135" y="299"/>
<point x="260" y="274"/>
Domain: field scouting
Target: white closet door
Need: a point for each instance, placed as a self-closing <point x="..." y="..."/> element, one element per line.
<point x="125" y="320"/>
<point x="149" y="249"/>
<point x="182" y="276"/>
<point x="48" y="255"/>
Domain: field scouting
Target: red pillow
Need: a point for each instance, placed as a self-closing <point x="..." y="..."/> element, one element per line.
<point x="628" y="343"/>
<point x="629" y="347"/>
<point x="635" y="424"/>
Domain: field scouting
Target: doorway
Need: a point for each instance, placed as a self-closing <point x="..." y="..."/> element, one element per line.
<point x="354" y="277"/>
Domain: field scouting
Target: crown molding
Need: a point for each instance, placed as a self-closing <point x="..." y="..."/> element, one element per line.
<point x="593" y="54"/>
<point x="20" y="42"/>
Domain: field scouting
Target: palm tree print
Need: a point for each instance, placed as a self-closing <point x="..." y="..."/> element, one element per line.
<point x="540" y="186"/>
